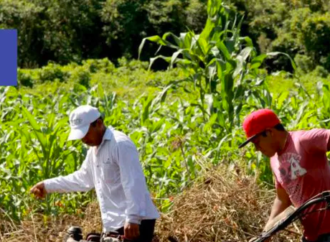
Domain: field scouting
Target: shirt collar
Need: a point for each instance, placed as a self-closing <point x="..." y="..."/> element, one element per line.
<point x="107" y="136"/>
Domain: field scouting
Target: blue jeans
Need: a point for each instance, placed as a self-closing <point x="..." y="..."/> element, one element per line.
<point x="322" y="238"/>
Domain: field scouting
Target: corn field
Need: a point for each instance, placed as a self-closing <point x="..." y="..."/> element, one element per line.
<point x="189" y="122"/>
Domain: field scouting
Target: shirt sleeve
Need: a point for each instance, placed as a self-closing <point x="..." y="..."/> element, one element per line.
<point x="81" y="180"/>
<point x="315" y="140"/>
<point x="277" y="184"/>
<point x="273" y="162"/>
<point x="133" y="181"/>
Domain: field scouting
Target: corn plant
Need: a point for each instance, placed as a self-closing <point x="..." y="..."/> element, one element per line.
<point x="222" y="65"/>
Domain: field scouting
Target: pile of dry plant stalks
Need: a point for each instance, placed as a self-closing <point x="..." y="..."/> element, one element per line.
<point x="50" y="229"/>
<point x="221" y="206"/>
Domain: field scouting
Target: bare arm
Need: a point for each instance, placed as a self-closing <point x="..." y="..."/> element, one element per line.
<point x="282" y="201"/>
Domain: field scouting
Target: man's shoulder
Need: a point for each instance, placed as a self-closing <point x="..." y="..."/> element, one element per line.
<point x="122" y="139"/>
<point x="114" y="134"/>
<point x="307" y="131"/>
<point x="312" y="139"/>
<point x="273" y="159"/>
<point x="305" y="135"/>
<point x="120" y="136"/>
<point x="299" y="137"/>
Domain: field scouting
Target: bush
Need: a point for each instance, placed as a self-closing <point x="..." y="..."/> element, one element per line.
<point x="24" y="78"/>
<point x="82" y="76"/>
<point x="99" y="65"/>
<point x="293" y="27"/>
<point x="59" y="30"/>
<point x="320" y="71"/>
<point x="65" y="31"/>
<point x="315" y="35"/>
<point x="52" y="72"/>
<point x="304" y="63"/>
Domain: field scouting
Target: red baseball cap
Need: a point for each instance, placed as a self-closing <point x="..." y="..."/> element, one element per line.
<point x="257" y="122"/>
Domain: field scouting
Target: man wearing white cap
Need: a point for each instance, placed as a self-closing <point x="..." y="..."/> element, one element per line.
<point x="112" y="167"/>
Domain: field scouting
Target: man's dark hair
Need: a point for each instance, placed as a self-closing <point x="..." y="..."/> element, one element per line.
<point x="94" y="123"/>
<point x="279" y="127"/>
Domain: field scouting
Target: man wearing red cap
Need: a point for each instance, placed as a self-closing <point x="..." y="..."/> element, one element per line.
<point x="300" y="166"/>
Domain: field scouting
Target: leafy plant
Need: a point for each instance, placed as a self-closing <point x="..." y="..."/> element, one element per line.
<point x="222" y="65"/>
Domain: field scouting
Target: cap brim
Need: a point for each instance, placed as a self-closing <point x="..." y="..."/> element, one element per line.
<point x="80" y="133"/>
<point x="247" y="141"/>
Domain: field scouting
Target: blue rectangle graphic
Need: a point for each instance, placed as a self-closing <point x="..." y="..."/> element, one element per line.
<point x="8" y="57"/>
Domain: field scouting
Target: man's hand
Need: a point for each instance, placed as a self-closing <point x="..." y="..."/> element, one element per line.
<point x="281" y="203"/>
<point x="269" y="239"/>
<point x="131" y="231"/>
<point x="39" y="190"/>
<point x="255" y="238"/>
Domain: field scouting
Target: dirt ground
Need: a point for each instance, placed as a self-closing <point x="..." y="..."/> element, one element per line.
<point x="221" y="206"/>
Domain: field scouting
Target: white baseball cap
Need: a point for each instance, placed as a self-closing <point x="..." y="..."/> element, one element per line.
<point x="80" y="119"/>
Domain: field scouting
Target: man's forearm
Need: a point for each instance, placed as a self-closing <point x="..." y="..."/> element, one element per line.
<point x="278" y="207"/>
<point x="75" y="182"/>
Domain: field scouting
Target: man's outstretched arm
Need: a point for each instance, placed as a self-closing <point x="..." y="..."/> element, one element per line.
<point x="281" y="202"/>
<point x="80" y="180"/>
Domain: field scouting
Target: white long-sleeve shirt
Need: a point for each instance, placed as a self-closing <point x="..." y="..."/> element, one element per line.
<point x="114" y="170"/>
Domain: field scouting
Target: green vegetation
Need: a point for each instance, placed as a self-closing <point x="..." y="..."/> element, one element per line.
<point x="72" y="31"/>
<point x="174" y="136"/>
<point x="300" y="28"/>
<point x="180" y="119"/>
